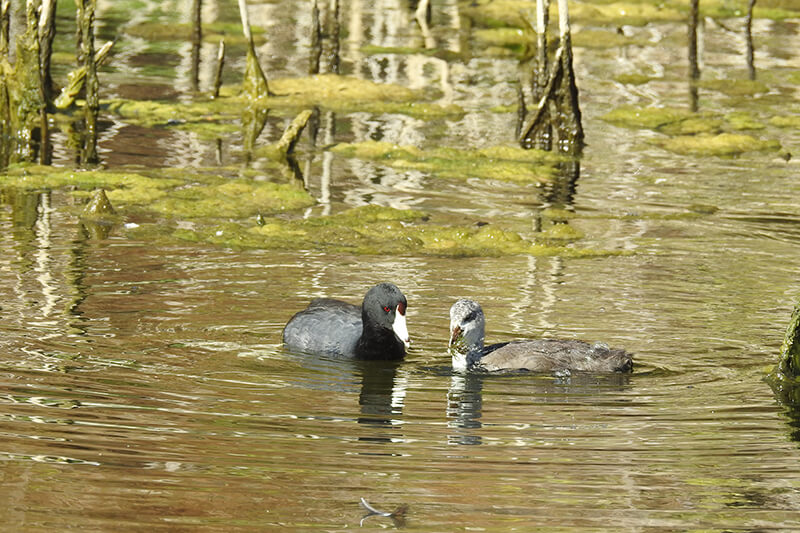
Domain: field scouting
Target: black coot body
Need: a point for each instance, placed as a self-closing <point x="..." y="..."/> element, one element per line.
<point x="374" y="330"/>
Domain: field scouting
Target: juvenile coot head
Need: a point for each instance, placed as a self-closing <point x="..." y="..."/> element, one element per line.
<point x="467" y="331"/>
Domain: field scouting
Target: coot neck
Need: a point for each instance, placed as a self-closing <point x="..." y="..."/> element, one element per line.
<point x="466" y="355"/>
<point x="378" y="343"/>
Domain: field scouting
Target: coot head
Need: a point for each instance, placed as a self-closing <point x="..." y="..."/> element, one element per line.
<point x="467" y="330"/>
<point x="384" y="307"/>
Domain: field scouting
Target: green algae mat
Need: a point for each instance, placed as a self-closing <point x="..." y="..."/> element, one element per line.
<point x="503" y="163"/>
<point x="326" y="91"/>
<point x="243" y="210"/>
<point x="697" y="134"/>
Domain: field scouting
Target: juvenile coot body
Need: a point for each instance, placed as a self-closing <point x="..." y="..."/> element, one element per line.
<point x="374" y="330"/>
<point x="467" y="331"/>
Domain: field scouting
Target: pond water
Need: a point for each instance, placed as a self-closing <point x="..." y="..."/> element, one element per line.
<point x="144" y="386"/>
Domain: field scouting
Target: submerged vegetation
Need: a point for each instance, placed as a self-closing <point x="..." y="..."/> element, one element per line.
<point x="176" y="194"/>
<point x="723" y="144"/>
<point x="785" y="377"/>
<point x="242" y="212"/>
<point x="697" y="134"/>
<point x="269" y="207"/>
<point x="380" y="230"/>
<point x="325" y="91"/>
<point x="499" y="162"/>
<point x="500" y="13"/>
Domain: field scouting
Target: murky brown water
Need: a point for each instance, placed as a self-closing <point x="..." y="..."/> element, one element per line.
<point x="144" y="387"/>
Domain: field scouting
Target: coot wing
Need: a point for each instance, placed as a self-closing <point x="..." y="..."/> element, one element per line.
<point x="326" y="326"/>
<point x="547" y="355"/>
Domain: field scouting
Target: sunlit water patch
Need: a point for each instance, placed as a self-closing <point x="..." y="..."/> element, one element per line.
<point x="143" y="384"/>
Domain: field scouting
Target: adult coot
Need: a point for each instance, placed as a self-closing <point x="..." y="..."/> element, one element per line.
<point x="467" y="325"/>
<point x="374" y="330"/>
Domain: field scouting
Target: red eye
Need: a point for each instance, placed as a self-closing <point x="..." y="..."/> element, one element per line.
<point x="387" y="308"/>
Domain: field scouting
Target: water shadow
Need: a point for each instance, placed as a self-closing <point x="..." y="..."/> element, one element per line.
<point x="381" y="391"/>
<point x="465" y="395"/>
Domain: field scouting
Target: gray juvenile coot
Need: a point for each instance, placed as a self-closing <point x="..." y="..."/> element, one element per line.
<point x="374" y="330"/>
<point x="467" y="325"/>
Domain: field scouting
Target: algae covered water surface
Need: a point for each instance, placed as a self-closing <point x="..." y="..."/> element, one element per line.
<point x="143" y="380"/>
